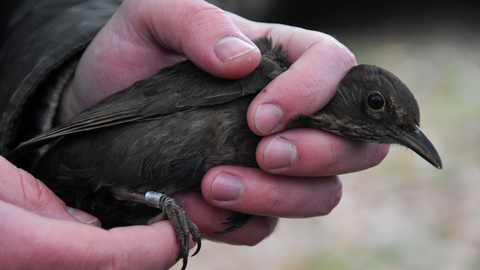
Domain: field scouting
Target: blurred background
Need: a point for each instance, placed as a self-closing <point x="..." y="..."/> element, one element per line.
<point x="404" y="213"/>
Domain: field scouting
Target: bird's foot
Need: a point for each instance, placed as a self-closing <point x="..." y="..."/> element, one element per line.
<point x="236" y="221"/>
<point x="170" y="209"/>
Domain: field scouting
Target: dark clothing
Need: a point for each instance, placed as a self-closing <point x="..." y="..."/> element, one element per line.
<point x="41" y="42"/>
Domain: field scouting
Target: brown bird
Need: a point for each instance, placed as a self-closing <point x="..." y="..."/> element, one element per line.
<point x="121" y="158"/>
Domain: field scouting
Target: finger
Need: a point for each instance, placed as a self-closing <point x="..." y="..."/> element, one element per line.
<point x="310" y="152"/>
<point x="254" y="191"/>
<point x="209" y="219"/>
<point x="319" y="63"/>
<point x="202" y="32"/>
<point x="305" y="88"/>
<point x="58" y="244"/>
<point x="22" y="189"/>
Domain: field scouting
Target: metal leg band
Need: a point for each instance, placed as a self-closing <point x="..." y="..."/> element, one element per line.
<point x="152" y="198"/>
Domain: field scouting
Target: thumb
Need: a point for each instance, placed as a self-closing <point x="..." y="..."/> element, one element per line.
<point x="22" y="189"/>
<point x="202" y="32"/>
<point x="145" y="36"/>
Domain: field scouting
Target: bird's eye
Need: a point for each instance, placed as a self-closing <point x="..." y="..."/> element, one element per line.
<point x="375" y="100"/>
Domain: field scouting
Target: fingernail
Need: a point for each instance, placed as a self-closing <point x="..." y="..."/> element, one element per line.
<point x="280" y="153"/>
<point x="226" y="187"/>
<point x="268" y="117"/>
<point x="228" y="48"/>
<point x="83" y="216"/>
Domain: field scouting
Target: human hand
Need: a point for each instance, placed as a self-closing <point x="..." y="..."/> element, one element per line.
<point x="40" y="232"/>
<point x="144" y="36"/>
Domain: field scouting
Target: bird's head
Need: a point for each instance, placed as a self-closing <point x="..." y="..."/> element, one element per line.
<point x="373" y="105"/>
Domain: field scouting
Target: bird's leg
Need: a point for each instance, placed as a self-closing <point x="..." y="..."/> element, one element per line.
<point x="170" y="209"/>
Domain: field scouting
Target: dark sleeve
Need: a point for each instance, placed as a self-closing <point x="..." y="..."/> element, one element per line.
<point x="41" y="42"/>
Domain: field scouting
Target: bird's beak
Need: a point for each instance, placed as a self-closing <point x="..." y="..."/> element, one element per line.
<point x="420" y="144"/>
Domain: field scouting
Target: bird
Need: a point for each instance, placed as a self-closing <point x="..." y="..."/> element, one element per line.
<point x="122" y="158"/>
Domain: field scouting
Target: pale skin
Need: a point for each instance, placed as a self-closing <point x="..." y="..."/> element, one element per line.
<point x="39" y="232"/>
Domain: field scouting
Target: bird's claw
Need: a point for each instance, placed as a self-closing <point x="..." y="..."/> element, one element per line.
<point x="181" y="222"/>
<point x="236" y="221"/>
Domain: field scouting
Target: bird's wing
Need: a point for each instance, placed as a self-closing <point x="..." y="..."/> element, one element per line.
<point x="173" y="89"/>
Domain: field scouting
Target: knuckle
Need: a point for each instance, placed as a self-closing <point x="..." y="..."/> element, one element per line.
<point x="274" y="198"/>
<point x="328" y="196"/>
<point x="34" y="193"/>
<point x="309" y="90"/>
<point x="341" y="54"/>
<point x="344" y="55"/>
<point x="331" y="153"/>
<point x="205" y="18"/>
<point x="334" y="196"/>
<point x="264" y="227"/>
